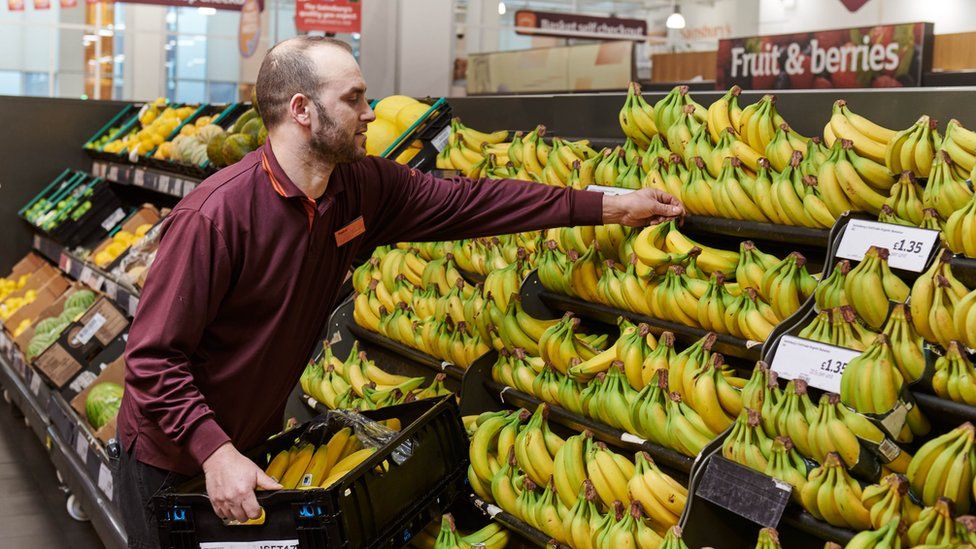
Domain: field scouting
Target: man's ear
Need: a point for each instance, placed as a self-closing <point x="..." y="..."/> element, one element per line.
<point x="300" y="109"/>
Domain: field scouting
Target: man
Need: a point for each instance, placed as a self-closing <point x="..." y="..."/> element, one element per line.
<point x="250" y="263"/>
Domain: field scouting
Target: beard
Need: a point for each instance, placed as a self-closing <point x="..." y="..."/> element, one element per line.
<point x="330" y="143"/>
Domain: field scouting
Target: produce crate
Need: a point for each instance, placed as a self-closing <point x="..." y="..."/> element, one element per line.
<point x="432" y="129"/>
<point x="365" y="509"/>
<point x="122" y="122"/>
<point x="224" y="116"/>
<point x="43" y="201"/>
<point x="94" y="225"/>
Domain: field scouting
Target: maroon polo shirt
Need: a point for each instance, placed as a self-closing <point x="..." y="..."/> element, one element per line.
<point x="247" y="274"/>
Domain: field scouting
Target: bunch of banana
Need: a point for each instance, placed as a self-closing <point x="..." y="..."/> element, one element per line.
<point x="637" y="117"/>
<point x="610" y="473"/>
<point x="664" y="244"/>
<point x="943" y="467"/>
<point x="724" y="113"/>
<point x="714" y="393"/>
<point x="830" y="494"/>
<point x="700" y="145"/>
<point x="964" y="319"/>
<point x="786" y="464"/>
<point x="578" y="239"/>
<point x="753" y="265"/>
<point x="518" y="329"/>
<point x="672" y="540"/>
<point x="946" y="189"/>
<point x="781" y="150"/>
<point x="890" y="216"/>
<point x="758" y="124"/>
<point x="683" y="364"/>
<point x="768" y="539"/>
<point x="869" y="139"/>
<point x="747" y="443"/>
<point x="787" y="285"/>
<point x="754" y="391"/>
<point x="794" y="416"/>
<point x="560" y="344"/>
<point x="583" y="274"/>
<point x="932" y="221"/>
<point x="648" y="411"/>
<point x="960" y="229"/>
<point x="608" y="398"/>
<point x="887" y="536"/>
<point x="830" y="292"/>
<point x="609" y="240"/>
<point x="906" y="343"/>
<point x="673" y="299"/>
<point x="310" y="466"/>
<point x="662" y="497"/>
<point x="669" y="109"/>
<point x="913" y="149"/>
<point x="730" y="197"/>
<point x="906" y="199"/>
<point x="491" y="444"/>
<point x="447" y="536"/>
<point x="552" y="268"/>
<point x="889" y="499"/>
<point x="872" y="383"/>
<point x="711" y="305"/>
<point x="935" y="526"/>
<point x="959" y="144"/>
<point x="923" y="300"/>
<point x="440" y="337"/>
<point x="611" y="164"/>
<point x="684" y="128"/>
<point x="864" y="183"/>
<point x="955" y="377"/>
<point x="687" y="430"/>
<point x="871" y="285"/>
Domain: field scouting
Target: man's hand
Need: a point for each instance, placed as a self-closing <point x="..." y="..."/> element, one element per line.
<point x="231" y="481"/>
<point x="641" y="208"/>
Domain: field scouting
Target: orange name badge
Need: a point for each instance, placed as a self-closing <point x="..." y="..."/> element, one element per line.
<point x="355" y="228"/>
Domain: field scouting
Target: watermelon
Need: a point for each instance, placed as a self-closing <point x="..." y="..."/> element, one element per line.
<point x="244" y="118"/>
<point x="102" y="403"/>
<point x="253" y="127"/>
<point x="40" y="342"/>
<point x="70" y="314"/>
<point x="236" y="146"/>
<point x="46" y="326"/>
<point x="81" y="298"/>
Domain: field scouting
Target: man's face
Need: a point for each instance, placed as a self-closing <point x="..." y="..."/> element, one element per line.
<point x="338" y="131"/>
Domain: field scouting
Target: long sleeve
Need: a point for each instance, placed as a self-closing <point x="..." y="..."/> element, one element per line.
<point x="416" y="206"/>
<point x="188" y="280"/>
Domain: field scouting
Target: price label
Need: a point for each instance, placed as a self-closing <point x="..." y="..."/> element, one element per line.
<point x="113" y="220"/>
<point x="98" y="169"/>
<point x="139" y="178"/>
<point x="909" y="247"/>
<point x="267" y="544"/>
<point x="90" y="328"/>
<point x="819" y="364"/>
<point x="91" y="279"/>
<point x="111" y="289"/>
<point x="35" y="385"/>
<point x="113" y="173"/>
<point x="162" y="183"/>
<point x="612" y="191"/>
<point x="64" y="263"/>
<point x="133" y="305"/>
<point x="187" y="187"/>
<point x="440" y="141"/>
<point x="105" y="481"/>
<point x="81" y="446"/>
<point x="747" y="493"/>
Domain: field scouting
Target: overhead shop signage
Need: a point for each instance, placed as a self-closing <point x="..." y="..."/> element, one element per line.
<point x="571" y="25"/>
<point x="337" y="16"/>
<point x="883" y="56"/>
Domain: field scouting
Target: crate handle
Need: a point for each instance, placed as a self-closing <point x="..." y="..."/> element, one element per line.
<point x="250" y="522"/>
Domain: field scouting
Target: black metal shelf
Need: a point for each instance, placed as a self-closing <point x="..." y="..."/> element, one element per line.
<point x="665" y="457"/>
<point x="513" y="523"/>
<point x="169" y="183"/>
<point x="809" y="524"/>
<point x="724" y="343"/>
<point x="936" y="406"/>
<point x="769" y="232"/>
<point x="452" y="370"/>
<point x="964" y="268"/>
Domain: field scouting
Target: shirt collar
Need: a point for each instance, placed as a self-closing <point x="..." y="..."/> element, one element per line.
<point x="284" y="186"/>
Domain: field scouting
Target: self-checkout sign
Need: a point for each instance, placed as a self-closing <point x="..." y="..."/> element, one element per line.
<point x="819" y="364"/>
<point x="908" y="248"/>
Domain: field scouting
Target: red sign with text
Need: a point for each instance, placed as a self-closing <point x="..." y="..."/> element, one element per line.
<point x="69" y="3"/>
<point x="882" y="56"/>
<point x="42" y="4"/>
<point x="15" y="5"/>
<point x="338" y="16"/>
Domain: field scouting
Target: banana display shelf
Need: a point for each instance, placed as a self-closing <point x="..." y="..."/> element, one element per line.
<point x="706" y="522"/>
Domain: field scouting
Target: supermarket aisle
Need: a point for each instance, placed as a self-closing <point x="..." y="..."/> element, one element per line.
<point x="32" y="511"/>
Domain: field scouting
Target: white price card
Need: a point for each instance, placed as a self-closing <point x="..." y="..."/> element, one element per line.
<point x="98" y="169"/>
<point x="133" y="305"/>
<point x="90" y="278"/>
<point x="113" y="173"/>
<point x="81" y="446"/>
<point x="908" y="247"/>
<point x="162" y="183"/>
<point x="612" y="191"/>
<point x="111" y="289"/>
<point x="139" y="178"/>
<point x="187" y="187"/>
<point x="269" y="544"/>
<point x="819" y="364"/>
<point x="35" y="385"/>
<point x="64" y="263"/>
<point x="113" y="220"/>
<point x="440" y="141"/>
<point x="89" y="329"/>
<point x="105" y="481"/>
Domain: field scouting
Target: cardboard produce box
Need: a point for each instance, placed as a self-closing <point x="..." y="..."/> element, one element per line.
<point x="52" y="310"/>
<point x="113" y="372"/>
<point x="28" y="264"/>
<point x="146" y="215"/>
<point x="48" y="294"/>
<point x="81" y="342"/>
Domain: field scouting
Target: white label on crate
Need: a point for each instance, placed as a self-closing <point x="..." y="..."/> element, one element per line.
<point x="908" y="247"/>
<point x="440" y="141"/>
<point x="89" y="329"/>
<point x="105" y="482"/>
<point x="97" y="169"/>
<point x="81" y="446"/>
<point x="113" y="173"/>
<point x="113" y="220"/>
<point x="187" y="187"/>
<point x="270" y="544"/>
<point x="612" y="191"/>
<point x="35" y="385"/>
<point x="83" y="380"/>
<point x="90" y="278"/>
<point x="111" y="289"/>
<point x="162" y="181"/>
<point x="819" y="364"/>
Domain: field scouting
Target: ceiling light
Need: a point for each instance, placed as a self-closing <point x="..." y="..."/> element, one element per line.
<point x="676" y="20"/>
<point x="501" y="8"/>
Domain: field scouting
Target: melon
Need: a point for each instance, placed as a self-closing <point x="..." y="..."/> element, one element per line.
<point x="410" y="114"/>
<point x="215" y="150"/>
<point x="81" y="298"/>
<point x="380" y="134"/>
<point x="236" y="146"/>
<point x="253" y="127"/>
<point x="46" y="326"/>
<point x="388" y="107"/>
<point x="71" y="314"/>
<point x="244" y="118"/>
<point x="102" y="403"/>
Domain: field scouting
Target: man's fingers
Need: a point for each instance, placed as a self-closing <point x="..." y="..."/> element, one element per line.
<point x="665" y="210"/>
<point x="251" y="507"/>
<point x="265" y="482"/>
<point x="238" y="513"/>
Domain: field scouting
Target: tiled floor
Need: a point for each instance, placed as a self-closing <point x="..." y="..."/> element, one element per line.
<point x="32" y="508"/>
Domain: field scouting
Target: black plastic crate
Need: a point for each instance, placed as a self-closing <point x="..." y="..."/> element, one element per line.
<point x="365" y="509"/>
<point x="95" y="224"/>
<point x="224" y="116"/>
<point x="434" y="126"/>
<point x="122" y="121"/>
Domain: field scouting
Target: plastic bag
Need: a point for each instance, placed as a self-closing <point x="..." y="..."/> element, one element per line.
<point x="373" y="434"/>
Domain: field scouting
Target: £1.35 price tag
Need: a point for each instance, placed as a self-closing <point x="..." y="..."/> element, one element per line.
<point x="819" y="364"/>
<point x="909" y="247"/>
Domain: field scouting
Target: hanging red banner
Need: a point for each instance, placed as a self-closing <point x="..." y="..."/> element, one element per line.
<point x="69" y="3"/>
<point x="338" y="16"/>
<point x="42" y="4"/>
<point x="15" y="5"/>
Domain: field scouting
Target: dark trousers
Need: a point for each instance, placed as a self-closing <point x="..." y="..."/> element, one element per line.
<point x="137" y="484"/>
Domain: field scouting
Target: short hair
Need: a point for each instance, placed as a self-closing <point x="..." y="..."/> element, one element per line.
<point x="287" y="70"/>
